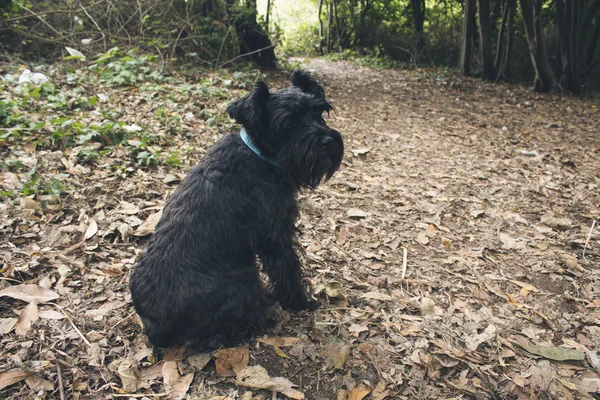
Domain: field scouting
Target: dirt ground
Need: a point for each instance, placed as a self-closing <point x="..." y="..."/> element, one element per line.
<point x="448" y="252"/>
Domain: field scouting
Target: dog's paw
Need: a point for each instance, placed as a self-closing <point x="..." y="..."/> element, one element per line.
<point x="301" y="305"/>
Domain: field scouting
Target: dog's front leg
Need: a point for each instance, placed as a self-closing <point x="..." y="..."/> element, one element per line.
<point x="282" y="265"/>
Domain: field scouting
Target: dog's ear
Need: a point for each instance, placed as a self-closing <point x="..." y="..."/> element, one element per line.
<point x="303" y="81"/>
<point x="251" y="110"/>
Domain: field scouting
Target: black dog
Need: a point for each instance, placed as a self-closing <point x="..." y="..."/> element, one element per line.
<point x="198" y="281"/>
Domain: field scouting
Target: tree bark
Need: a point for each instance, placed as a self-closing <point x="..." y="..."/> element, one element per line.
<point x="418" y="10"/>
<point x="589" y="41"/>
<point x="485" y="34"/>
<point x="467" y="38"/>
<point x="329" y="29"/>
<point x="504" y="36"/>
<point x="531" y="15"/>
<point x="320" y="27"/>
<point x="268" y="14"/>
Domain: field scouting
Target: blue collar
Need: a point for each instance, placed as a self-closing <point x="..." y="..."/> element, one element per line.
<point x="251" y="146"/>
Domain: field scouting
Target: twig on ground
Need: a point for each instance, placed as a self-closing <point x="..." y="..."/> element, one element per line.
<point x="61" y="387"/>
<point x="404" y="254"/>
<point x="588" y="238"/>
<point x="73" y="324"/>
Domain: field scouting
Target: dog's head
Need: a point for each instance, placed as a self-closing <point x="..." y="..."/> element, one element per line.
<point x="288" y="126"/>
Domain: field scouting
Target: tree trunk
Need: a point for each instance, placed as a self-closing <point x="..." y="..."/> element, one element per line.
<point x="485" y="34"/>
<point x="589" y="41"/>
<point x="253" y="38"/>
<point x="504" y="36"/>
<point x="418" y="10"/>
<point x="320" y="27"/>
<point x="329" y="30"/>
<point x="568" y="18"/>
<point x="268" y="14"/>
<point x="467" y="37"/>
<point x="506" y="64"/>
<point x="337" y="25"/>
<point x="531" y="15"/>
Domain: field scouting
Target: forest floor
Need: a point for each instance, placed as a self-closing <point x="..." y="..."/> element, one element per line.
<point x="487" y="192"/>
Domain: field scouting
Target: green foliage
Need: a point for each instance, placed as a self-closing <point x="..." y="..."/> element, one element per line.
<point x="116" y="68"/>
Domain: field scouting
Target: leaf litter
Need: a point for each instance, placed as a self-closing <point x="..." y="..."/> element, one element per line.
<point x="497" y="300"/>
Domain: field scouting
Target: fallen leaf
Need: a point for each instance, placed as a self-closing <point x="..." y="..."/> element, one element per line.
<point x="199" y="360"/>
<point x="280" y="341"/>
<point x="177" y="385"/>
<point x="128" y="373"/>
<point x="357" y="214"/>
<point x="335" y="355"/>
<point x="360" y="392"/>
<point x="525" y="288"/>
<point x="51" y="314"/>
<point x="340" y="237"/>
<point x="376" y="296"/>
<point x="422" y="238"/>
<point x="28" y="317"/>
<point x="30" y="204"/>
<point x="510" y="243"/>
<point x="91" y="230"/>
<point x="235" y="359"/>
<point x="428" y="307"/>
<point x="332" y="290"/>
<point x="553" y="352"/>
<point x="7" y="325"/>
<point x="36" y="383"/>
<point x="128" y="208"/>
<point x="149" y="225"/>
<point x="256" y="377"/>
<point x="11" y="377"/>
<point x="473" y="341"/>
<point x="557" y="223"/>
<point x="380" y="392"/>
<point x="29" y="293"/>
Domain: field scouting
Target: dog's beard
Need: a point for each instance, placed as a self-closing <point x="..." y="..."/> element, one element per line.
<point x="312" y="158"/>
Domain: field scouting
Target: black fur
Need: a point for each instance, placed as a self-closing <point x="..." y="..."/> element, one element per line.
<point x="197" y="283"/>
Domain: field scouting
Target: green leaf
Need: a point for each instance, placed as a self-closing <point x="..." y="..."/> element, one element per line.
<point x="553" y="353"/>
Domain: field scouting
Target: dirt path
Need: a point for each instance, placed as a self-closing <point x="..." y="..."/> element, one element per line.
<point x="490" y="189"/>
<point x="493" y="192"/>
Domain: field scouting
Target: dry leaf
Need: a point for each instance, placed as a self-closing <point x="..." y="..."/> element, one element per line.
<point x="29" y="293"/>
<point x="333" y="290"/>
<point x="376" y="296"/>
<point x="199" y="360"/>
<point x="7" y="325"/>
<point x="128" y="373"/>
<point x="235" y="359"/>
<point x="11" y="377"/>
<point x="340" y="237"/>
<point x="149" y="225"/>
<point x="428" y="307"/>
<point x="510" y="243"/>
<point x="335" y="355"/>
<point x="28" y="317"/>
<point x="557" y="223"/>
<point x="51" y="314"/>
<point x="422" y="238"/>
<point x="359" y="393"/>
<point x="256" y="377"/>
<point x="380" y="392"/>
<point x="36" y="383"/>
<point x="280" y="341"/>
<point x="177" y="385"/>
<point x="357" y="214"/>
<point x="91" y="230"/>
